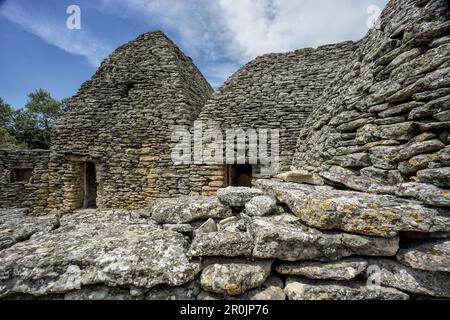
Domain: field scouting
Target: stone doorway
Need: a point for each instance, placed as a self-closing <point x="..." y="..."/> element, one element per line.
<point x="239" y="175"/>
<point x="90" y="185"/>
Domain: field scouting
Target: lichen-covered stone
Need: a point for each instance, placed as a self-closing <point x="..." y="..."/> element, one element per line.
<point x="187" y="209"/>
<point x="430" y="256"/>
<point x="378" y="215"/>
<point x="393" y="274"/>
<point x="227" y="244"/>
<point x="439" y="177"/>
<point x="261" y="206"/>
<point x="303" y="289"/>
<point x="237" y="196"/>
<point x="291" y="241"/>
<point x="338" y="270"/>
<point x="108" y="248"/>
<point x="17" y="225"/>
<point x="234" y="276"/>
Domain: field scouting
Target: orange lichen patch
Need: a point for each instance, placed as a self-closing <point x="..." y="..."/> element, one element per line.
<point x="232" y="288"/>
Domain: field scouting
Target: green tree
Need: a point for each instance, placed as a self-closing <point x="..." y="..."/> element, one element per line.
<point x="7" y="140"/>
<point x="33" y="124"/>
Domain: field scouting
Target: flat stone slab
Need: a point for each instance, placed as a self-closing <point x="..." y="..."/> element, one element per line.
<point x="187" y="209"/>
<point x="430" y="256"/>
<point x="339" y="270"/>
<point x="370" y="214"/>
<point x="304" y="289"/>
<point x="109" y="248"/>
<point x="227" y="244"/>
<point x="283" y="239"/>
<point x="234" y="276"/>
<point x="16" y="226"/>
<point x="272" y="289"/>
<point x="393" y="274"/>
<point x="237" y="196"/>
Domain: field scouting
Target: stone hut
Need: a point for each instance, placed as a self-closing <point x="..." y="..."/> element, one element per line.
<point x="274" y="91"/>
<point x="112" y="147"/>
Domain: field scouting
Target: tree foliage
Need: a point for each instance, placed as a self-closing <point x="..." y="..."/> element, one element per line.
<point x="31" y="126"/>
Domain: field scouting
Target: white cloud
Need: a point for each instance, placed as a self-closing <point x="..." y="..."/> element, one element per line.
<point x="77" y="42"/>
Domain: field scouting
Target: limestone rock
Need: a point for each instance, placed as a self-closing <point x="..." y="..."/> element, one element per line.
<point x="352" y="160"/>
<point x="300" y="176"/>
<point x="227" y="244"/>
<point x="383" y="176"/>
<point x="430" y="256"/>
<point x="261" y="206"/>
<point x="272" y="289"/>
<point x="339" y="270"/>
<point x="427" y="193"/>
<point x="359" y="212"/>
<point x="291" y="241"/>
<point x="417" y="163"/>
<point x="439" y="177"/>
<point x="234" y="276"/>
<point x="187" y="209"/>
<point x="444" y="155"/>
<point x="393" y="274"/>
<point x="16" y="226"/>
<point x="303" y="289"/>
<point x="108" y="248"/>
<point x="237" y="196"/>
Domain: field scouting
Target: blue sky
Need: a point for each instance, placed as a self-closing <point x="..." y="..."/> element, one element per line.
<point x="39" y="51"/>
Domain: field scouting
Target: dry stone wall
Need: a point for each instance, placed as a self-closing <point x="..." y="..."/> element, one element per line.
<point x="122" y="120"/>
<point x="384" y="121"/>
<point x="24" y="179"/>
<point x="276" y="91"/>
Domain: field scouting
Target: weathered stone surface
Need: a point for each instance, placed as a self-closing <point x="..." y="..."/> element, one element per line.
<point x="430" y="256"/>
<point x="427" y="193"/>
<point x="164" y="292"/>
<point x="261" y="206"/>
<point x="291" y="241"/>
<point x="389" y="157"/>
<point x="228" y="244"/>
<point x="96" y="248"/>
<point x="16" y="226"/>
<point x="301" y="176"/>
<point x="417" y="163"/>
<point x="386" y="176"/>
<point x="234" y="276"/>
<point x="187" y="209"/>
<point x="237" y="196"/>
<point x="303" y="289"/>
<point x="379" y="215"/>
<point x="339" y="270"/>
<point x="439" y="177"/>
<point x="393" y="274"/>
<point x="444" y="155"/>
<point x="272" y="289"/>
<point x="352" y="160"/>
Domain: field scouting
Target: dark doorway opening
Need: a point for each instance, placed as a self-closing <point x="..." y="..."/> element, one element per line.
<point x="240" y="175"/>
<point x="21" y="175"/>
<point x="90" y="186"/>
